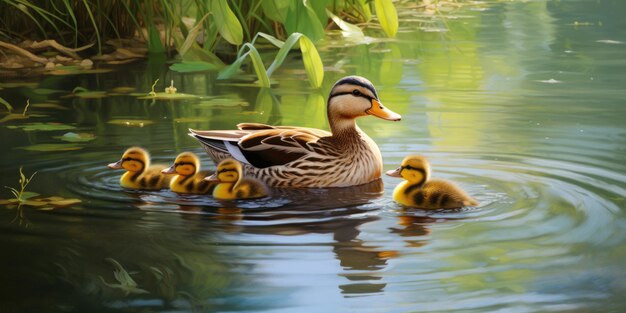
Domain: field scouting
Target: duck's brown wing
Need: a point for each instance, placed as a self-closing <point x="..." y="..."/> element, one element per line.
<point x="263" y="145"/>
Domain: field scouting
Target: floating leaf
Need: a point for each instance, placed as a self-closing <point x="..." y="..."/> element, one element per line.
<point x="131" y="123"/>
<point x="43" y="126"/>
<point x="123" y="90"/>
<point x="76" y="137"/>
<point x="168" y="96"/>
<point x="48" y="147"/>
<point x="227" y="23"/>
<point x="49" y="106"/>
<point x="387" y="16"/>
<point x="192" y="66"/>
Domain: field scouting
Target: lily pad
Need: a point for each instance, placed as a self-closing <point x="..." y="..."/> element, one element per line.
<point x="49" y="147"/>
<point x="49" y="106"/>
<point x="192" y="66"/>
<point x="168" y="96"/>
<point x="43" y="126"/>
<point x="123" y="90"/>
<point x="76" y="137"/>
<point x="130" y="123"/>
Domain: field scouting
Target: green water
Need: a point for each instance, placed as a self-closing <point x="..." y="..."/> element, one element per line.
<point x="521" y="103"/>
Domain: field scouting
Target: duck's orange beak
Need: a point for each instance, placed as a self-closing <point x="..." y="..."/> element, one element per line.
<point x="394" y="173"/>
<point x="169" y="170"/>
<point x="380" y="111"/>
<point x="117" y="165"/>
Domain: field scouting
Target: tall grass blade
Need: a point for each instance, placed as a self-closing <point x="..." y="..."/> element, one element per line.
<point x="282" y="53"/>
<point x="94" y="24"/>
<point x="347" y="28"/>
<point x="273" y="40"/>
<point x="226" y="21"/>
<point x="191" y="36"/>
<point x="259" y="68"/>
<point x="387" y="16"/>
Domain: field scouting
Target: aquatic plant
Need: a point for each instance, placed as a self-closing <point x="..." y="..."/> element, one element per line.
<point x="125" y="283"/>
<point x="203" y="33"/>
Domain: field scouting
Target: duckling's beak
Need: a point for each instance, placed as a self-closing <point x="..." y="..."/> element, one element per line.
<point x="212" y="178"/>
<point x="169" y="170"/>
<point x="394" y="173"/>
<point x="377" y="109"/>
<point x="117" y="165"/>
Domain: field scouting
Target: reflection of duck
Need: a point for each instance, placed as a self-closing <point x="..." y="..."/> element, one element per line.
<point x="421" y="192"/>
<point x="139" y="174"/>
<point x="188" y="177"/>
<point x="305" y="157"/>
<point x="232" y="185"/>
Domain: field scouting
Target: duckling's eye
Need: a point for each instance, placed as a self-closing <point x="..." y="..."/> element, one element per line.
<point x="356" y="92"/>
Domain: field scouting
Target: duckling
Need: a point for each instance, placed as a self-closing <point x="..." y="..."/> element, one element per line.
<point x="139" y="174"/>
<point x="420" y="191"/>
<point x="189" y="179"/>
<point x="232" y="185"/>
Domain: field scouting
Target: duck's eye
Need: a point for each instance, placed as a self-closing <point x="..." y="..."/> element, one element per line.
<point x="356" y="92"/>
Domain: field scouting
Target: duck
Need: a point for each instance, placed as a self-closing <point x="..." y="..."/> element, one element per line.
<point x="188" y="178"/>
<point x="419" y="191"/>
<point x="139" y="173"/>
<point x="301" y="157"/>
<point x="232" y="185"/>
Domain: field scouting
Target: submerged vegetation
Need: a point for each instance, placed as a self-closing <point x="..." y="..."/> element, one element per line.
<point x="203" y="35"/>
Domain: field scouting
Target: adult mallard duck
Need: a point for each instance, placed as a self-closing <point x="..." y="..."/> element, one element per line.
<point x="188" y="178"/>
<point x="139" y="173"/>
<point x="232" y="185"/>
<point x="286" y="156"/>
<point x="419" y="191"/>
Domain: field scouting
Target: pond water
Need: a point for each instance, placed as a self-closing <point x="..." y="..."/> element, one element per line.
<point x="522" y="103"/>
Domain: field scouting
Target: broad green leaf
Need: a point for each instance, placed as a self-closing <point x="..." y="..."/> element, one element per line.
<point x="276" y="10"/>
<point x="6" y="104"/>
<point x="228" y="24"/>
<point x="349" y="30"/>
<point x="192" y="66"/>
<point x="312" y="62"/>
<point x="259" y="68"/>
<point x="387" y="16"/>
<point x="275" y="41"/>
<point x="302" y="19"/>
<point x="282" y="53"/>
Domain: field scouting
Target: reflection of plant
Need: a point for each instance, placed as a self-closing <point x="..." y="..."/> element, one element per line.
<point x="125" y="282"/>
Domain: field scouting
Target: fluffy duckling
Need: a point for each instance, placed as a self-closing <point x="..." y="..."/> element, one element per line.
<point x="420" y="191"/>
<point x="232" y="185"/>
<point x="188" y="178"/>
<point x="139" y="174"/>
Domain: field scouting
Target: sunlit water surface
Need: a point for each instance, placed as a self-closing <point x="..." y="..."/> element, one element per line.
<point x="520" y="103"/>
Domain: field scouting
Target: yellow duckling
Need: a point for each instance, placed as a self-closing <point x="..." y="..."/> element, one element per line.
<point x="188" y="177"/>
<point x="139" y="174"/>
<point x="420" y="192"/>
<point x="232" y="185"/>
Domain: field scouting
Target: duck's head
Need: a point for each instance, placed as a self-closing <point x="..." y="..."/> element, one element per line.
<point x="414" y="168"/>
<point x="186" y="164"/>
<point x="228" y="171"/>
<point x="355" y="96"/>
<point x="134" y="159"/>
